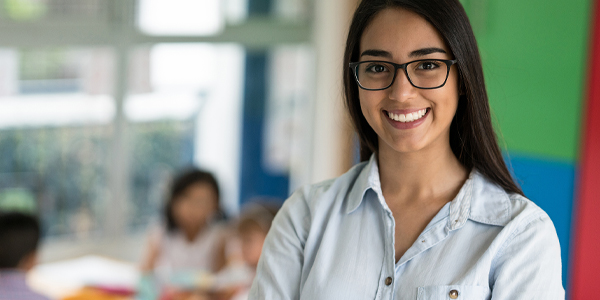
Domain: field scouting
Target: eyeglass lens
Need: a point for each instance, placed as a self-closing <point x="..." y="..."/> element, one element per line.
<point x="423" y="74"/>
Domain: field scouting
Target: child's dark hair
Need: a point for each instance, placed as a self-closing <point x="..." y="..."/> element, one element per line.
<point x="19" y="237"/>
<point x="181" y="183"/>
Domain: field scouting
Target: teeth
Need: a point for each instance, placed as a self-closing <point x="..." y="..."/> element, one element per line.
<point x="408" y="117"/>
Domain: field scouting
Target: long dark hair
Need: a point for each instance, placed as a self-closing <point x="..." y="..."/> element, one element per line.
<point x="472" y="136"/>
<point x="184" y="180"/>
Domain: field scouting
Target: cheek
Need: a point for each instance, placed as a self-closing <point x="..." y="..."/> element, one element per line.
<point x="180" y="212"/>
<point x="367" y="106"/>
<point x="444" y="100"/>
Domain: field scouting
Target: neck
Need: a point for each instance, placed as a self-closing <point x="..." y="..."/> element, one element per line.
<point x="432" y="174"/>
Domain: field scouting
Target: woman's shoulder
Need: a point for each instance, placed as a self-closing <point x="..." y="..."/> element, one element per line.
<point x="525" y="244"/>
<point x="522" y="206"/>
<point x="527" y="216"/>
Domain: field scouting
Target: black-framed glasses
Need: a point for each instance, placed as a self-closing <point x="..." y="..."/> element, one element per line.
<point x="375" y="75"/>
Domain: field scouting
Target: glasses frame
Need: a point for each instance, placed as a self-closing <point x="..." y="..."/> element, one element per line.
<point x="354" y="67"/>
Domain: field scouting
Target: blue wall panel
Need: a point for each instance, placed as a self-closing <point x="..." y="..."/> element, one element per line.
<point x="255" y="181"/>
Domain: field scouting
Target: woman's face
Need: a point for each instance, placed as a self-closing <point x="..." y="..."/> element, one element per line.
<point x="194" y="207"/>
<point x="400" y="36"/>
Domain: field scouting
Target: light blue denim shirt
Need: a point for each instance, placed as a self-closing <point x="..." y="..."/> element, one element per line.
<point x="335" y="240"/>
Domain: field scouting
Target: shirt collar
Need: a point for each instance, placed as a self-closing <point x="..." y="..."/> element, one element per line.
<point x="368" y="178"/>
<point x="479" y="199"/>
<point x="482" y="200"/>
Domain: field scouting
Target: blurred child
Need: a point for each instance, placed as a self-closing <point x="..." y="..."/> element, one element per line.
<point x="19" y="237"/>
<point x="251" y="230"/>
<point x="191" y="238"/>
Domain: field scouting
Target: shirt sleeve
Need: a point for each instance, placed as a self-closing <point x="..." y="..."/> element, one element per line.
<point x="529" y="265"/>
<point x="279" y="271"/>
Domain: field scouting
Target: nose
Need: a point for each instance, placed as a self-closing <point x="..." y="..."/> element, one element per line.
<point x="401" y="89"/>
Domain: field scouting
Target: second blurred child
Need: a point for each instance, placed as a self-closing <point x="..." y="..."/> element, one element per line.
<point x="19" y="238"/>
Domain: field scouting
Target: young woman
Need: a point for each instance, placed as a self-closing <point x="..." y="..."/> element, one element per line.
<point x="432" y="212"/>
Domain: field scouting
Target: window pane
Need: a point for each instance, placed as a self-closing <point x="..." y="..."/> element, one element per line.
<point x="55" y="125"/>
<point x="180" y="17"/>
<point x="292" y="9"/>
<point x="66" y="86"/>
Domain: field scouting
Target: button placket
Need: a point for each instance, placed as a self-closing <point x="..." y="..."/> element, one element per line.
<point x="390" y="224"/>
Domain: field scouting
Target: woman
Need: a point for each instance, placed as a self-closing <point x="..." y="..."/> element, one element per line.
<point x="434" y="212"/>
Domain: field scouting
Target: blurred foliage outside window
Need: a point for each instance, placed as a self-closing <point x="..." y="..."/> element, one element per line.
<point x="62" y="170"/>
<point x="28" y="11"/>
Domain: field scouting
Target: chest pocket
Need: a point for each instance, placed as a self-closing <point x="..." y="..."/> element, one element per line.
<point x="453" y="292"/>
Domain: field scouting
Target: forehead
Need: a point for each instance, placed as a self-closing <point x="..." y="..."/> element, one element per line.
<point x="399" y="32"/>
<point x="199" y="188"/>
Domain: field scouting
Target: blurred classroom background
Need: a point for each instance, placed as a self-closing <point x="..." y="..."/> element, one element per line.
<point x="103" y="101"/>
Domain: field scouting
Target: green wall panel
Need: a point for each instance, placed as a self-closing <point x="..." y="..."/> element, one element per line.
<point x="534" y="55"/>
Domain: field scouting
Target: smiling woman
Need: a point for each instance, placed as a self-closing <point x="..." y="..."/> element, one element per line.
<point x="432" y="211"/>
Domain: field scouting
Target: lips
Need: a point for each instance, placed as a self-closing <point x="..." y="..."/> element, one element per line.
<point x="407" y="118"/>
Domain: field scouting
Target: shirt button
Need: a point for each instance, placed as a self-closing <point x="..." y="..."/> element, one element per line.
<point x="388" y="281"/>
<point x="453" y="294"/>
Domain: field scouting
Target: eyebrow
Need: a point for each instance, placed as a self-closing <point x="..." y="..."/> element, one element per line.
<point x="376" y="53"/>
<point x="426" y="51"/>
<point x="415" y="53"/>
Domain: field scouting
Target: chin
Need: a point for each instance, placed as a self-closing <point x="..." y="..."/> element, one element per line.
<point x="407" y="147"/>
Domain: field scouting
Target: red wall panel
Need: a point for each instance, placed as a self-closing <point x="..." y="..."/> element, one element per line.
<point x="586" y="253"/>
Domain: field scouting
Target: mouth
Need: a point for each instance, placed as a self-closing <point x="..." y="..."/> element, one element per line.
<point x="408" y="117"/>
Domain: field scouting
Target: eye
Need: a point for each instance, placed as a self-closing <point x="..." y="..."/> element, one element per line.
<point x="376" y="68"/>
<point x="428" y="65"/>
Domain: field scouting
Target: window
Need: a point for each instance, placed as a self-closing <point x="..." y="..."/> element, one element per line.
<point x="102" y="101"/>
